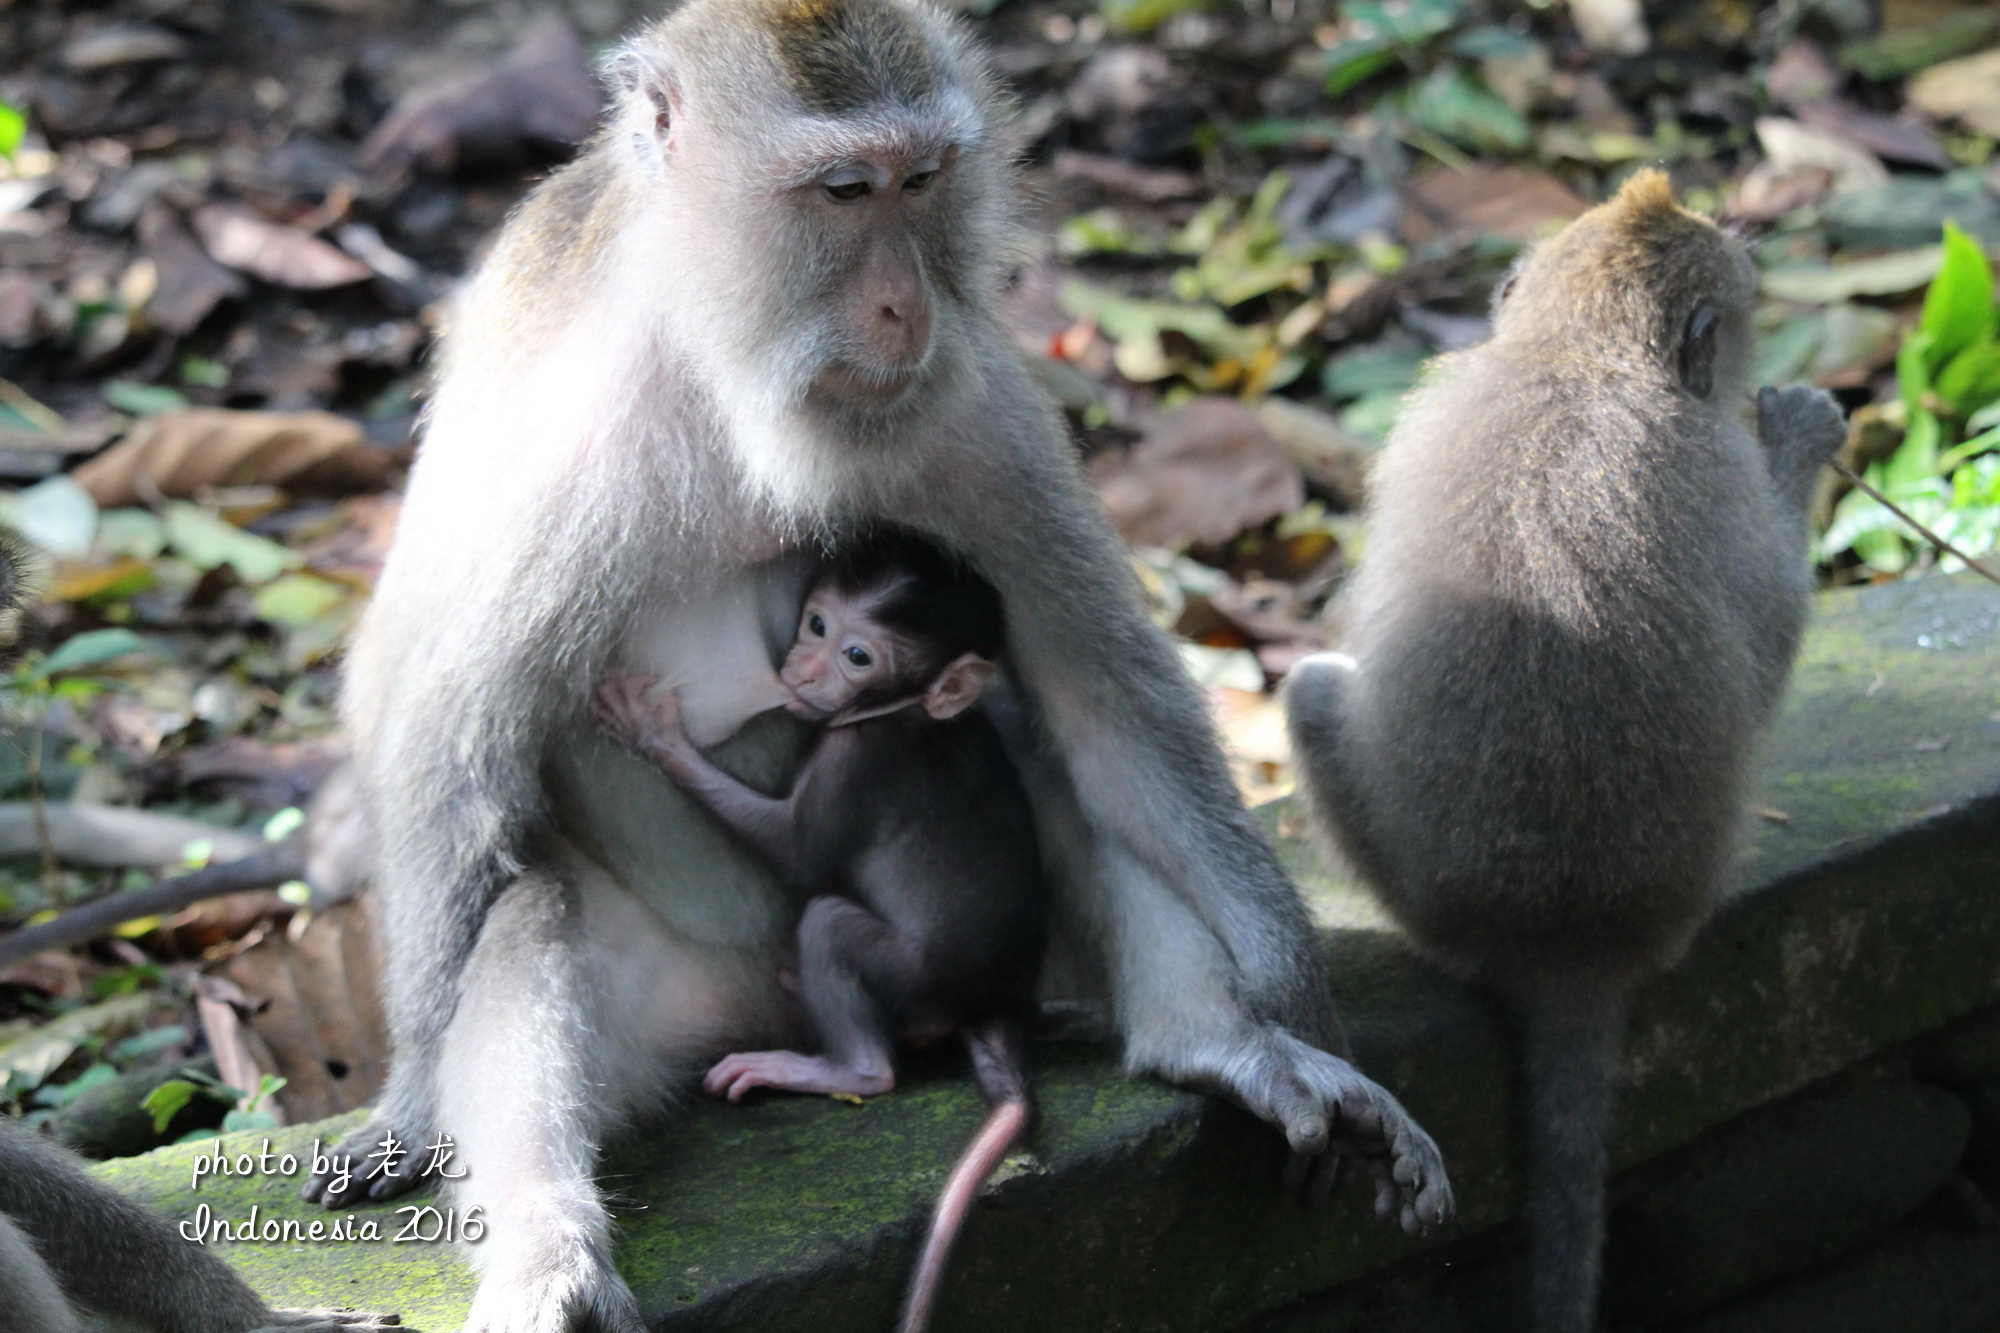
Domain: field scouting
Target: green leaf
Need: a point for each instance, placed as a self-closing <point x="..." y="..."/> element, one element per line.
<point x="1354" y="62"/>
<point x="57" y="515"/>
<point x="241" y="1120"/>
<point x="30" y="1058"/>
<point x="1456" y="105"/>
<point x="1916" y="458"/>
<point x="1913" y="375"/>
<point x="90" y="648"/>
<point x="13" y="128"/>
<point x="297" y="600"/>
<point x="1132" y="17"/>
<point x="165" y="1102"/>
<point x="142" y="399"/>
<point x="208" y="542"/>
<point x="1884" y="275"/>
<point x="1958" y="309"/>
<point x="1971" y="379"/>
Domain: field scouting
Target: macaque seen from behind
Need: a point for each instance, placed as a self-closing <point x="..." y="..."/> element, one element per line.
<point x="1584" y="585"/>
<point x="909" y="828"/>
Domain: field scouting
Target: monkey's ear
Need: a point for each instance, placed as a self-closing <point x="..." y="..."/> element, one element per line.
<point x="1698" y="351"/>
<point x="637" y="75"/>
<point x="958" y="686"/>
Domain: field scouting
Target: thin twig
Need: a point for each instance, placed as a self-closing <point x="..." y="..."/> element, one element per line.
<point x="1928" y="535"/>
<point x="259" y="870"/>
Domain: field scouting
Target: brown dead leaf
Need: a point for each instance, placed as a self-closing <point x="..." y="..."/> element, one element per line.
<point x="1966" y="89"/>
<point x="1201" y="473"/>
<point x="541" y="95"/>
<point x="54" y="972"/>
<point x="323" y="1020"/>
<point x="237" y="237"/>
<point x="190" y="283"/>
<point x="1513" y="202"/>
<point x="240" y="1057"/>
<point x="1334" y="459"/>
<point x="179" y="453"/>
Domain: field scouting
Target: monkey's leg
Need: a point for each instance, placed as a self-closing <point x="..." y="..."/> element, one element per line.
<point x="853" y="967"/>
<point x="538" y="1059"/>
<point x="28" y="1291"/>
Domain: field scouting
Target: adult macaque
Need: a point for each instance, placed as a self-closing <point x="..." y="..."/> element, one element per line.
<point x="66" y="1241"/>
<point x="755" y="314"/>
<point x="908" y="826"/>
<point x="1584" y="586"/>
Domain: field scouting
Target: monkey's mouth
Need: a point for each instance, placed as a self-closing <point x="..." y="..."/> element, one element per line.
<point x="871" y="384"/>
<point x="799" y="708"/>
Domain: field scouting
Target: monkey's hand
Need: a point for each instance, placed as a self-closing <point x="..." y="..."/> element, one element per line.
<point x="1801" y="428"/>
<point x="341" y="1320"/>
<point x="636" y="711"/>
<point x="1331" y="1111"/>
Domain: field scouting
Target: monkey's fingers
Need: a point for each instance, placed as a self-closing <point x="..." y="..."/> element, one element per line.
<point x="342" y="1319"/>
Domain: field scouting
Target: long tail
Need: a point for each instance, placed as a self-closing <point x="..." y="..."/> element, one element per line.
<point x="998" y="1062"/>
<point x="1573" y="1032"/>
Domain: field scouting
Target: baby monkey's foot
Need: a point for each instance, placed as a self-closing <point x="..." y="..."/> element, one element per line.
<point x="789" y="1071"/>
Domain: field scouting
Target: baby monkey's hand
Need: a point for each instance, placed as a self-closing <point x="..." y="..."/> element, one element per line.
<point x="636" y="711"/>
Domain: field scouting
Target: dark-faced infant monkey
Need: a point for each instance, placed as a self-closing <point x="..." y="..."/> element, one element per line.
<point x="1584" y="585"/>
<point x="909" y="828"/>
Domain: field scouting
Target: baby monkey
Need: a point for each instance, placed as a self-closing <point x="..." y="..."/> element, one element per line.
<point x="908" y="827"/>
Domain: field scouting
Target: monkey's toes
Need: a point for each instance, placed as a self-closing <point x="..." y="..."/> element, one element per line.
<point x="342" y="1319"/>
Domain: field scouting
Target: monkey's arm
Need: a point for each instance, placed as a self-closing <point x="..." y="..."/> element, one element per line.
<point x="651" y="725"/>
<point x="116" y="1257"/>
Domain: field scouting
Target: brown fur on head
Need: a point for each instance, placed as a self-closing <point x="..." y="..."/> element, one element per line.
<point x="1640" y="277"/>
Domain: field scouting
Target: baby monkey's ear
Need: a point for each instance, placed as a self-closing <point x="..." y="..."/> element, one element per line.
<point x="958" y="686"/>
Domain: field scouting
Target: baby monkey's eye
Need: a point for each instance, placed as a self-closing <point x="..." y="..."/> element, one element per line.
<point x="847" y="191"/>
<point x="859" y="656"/>
<point x="817" y="624"/>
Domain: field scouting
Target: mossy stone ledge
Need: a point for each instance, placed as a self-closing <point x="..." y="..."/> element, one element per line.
<point x="1867" y="914"/>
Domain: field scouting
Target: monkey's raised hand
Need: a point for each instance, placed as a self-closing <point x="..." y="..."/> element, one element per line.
<point x="1801" y="428"/>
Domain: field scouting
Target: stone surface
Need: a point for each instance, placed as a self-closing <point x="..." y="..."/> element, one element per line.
<point x="1865" y="920"/>
<point x="1923" y="1279"/>
<point x="1782" y="1190"/>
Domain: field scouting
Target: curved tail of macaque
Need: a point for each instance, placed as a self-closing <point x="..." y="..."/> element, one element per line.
<point x="1571" y="1036"/>
<point x="999" y="1065"/>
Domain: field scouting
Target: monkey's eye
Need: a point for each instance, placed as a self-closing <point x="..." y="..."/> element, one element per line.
<point x="918" y="181"/>
<point x="816" y="623"/>
<point x="859" y="657"/>
<point x="846" y="190"/>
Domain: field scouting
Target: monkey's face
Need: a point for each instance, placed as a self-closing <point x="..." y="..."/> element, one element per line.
<point x="833" y="203"/>
<point x="841" y="656"/>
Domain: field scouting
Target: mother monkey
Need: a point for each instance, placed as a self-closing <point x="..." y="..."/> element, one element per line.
<point x="755" y="314"/>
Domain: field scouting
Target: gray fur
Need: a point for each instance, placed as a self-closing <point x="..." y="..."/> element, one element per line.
<point x="630" y="414"/>
<point x="66" y="1238"/>
<point x="1584" y="586"/>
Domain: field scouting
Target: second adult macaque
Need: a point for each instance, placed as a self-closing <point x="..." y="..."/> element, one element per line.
<point x="909" y="827"/>
<point x="1584" y="586"/>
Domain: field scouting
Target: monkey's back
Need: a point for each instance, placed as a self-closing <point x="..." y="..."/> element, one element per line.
<point x="1559" y="681"/>
<point x="927" y="824"/>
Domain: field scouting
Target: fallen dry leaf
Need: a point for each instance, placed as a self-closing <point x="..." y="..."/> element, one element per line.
<point x="240" y="1058"/>
<point x="322" y="1019"/>
<point x="1201" y="473"/>
<point x="237" y="237"/>
<point x="542" y="94"/>
<point x="1967" y="89"/>
<point x="177" y="454"/>
<point x="190" y="283"/>
<point x="1792" y="146"/>
<point x="1513" y="202"/>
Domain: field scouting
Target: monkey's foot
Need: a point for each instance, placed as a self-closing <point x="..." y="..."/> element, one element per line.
<point x="789" y="1071"/>
<point x="574" y="1290"/>
<point x="340" y="1320"/>
<point x="354" y="1169"/>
